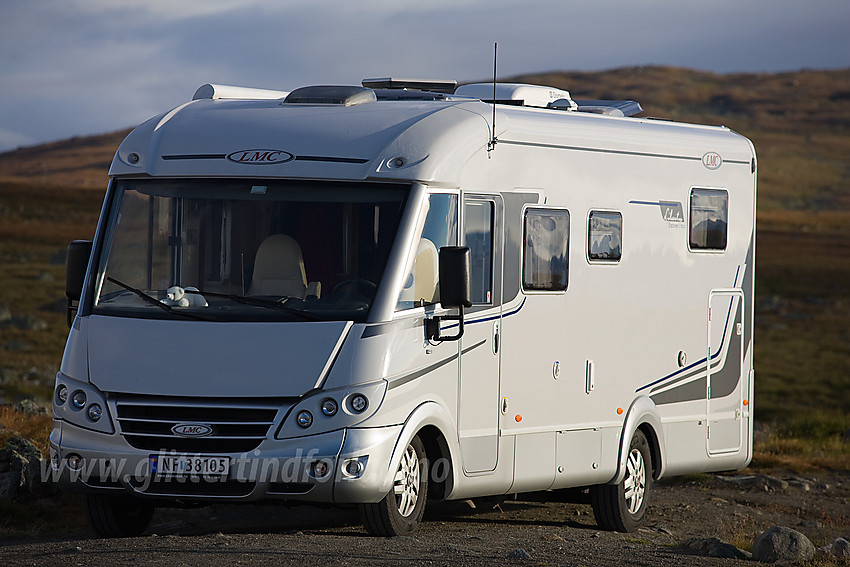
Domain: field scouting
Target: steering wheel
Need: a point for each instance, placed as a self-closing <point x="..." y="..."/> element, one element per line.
<point x="349" y="287"/>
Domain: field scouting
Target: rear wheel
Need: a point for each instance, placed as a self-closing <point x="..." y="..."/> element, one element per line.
<point x="111" y="516"/>
<point x="400" y="511"/>
<point x="622" y="507"/>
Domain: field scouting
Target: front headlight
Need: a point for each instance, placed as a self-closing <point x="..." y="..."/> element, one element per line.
<point x="329" y="410"/>
<point x="81" y="404"/>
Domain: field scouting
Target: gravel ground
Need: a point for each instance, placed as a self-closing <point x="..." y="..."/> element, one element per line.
<point x="535" y="529"/>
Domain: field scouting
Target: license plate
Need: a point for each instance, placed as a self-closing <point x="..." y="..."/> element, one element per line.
<point x="189" y="465"/>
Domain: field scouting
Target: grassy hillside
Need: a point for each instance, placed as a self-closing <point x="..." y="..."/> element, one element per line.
<point x="799" y="123"/>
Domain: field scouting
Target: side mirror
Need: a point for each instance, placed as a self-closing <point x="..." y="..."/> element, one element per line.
<point x="455" y="277"/>
<point x="79" y="252"/>
<point x="455" y="290"/>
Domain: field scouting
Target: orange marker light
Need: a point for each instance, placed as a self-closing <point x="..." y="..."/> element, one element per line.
<point x="518" y="418"/>
<point x="746" y="402"/>
<point x="619" y="411"/>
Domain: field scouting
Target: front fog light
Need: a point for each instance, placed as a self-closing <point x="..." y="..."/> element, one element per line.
<point x="353" y="468"/>
<point x="320" y="469"/>
<point x="75" y="462"/>
<point x="359" y="403"/>
<point x="61" y="395"/>
<point x="95" y="411"/>
<point x="79" y="399"/>
<point x="305" y="419"/>
<point x="329" y="407"/>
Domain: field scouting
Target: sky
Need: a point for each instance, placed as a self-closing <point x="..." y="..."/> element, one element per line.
<point x="80" y="67"/>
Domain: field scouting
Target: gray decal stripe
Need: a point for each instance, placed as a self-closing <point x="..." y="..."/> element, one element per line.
<point x="617" y="152"/>
<point x="382" y="328"/>
<point x="724" y="379"/>
<point x="678" y="375"/>
<point x="401" y="380"/>
<point x="194" y="156"/>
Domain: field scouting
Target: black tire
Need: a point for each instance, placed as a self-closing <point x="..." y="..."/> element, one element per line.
<point x="622" y="507"/>
<point x="400" y="511"/>
<point x="111" y="516"/>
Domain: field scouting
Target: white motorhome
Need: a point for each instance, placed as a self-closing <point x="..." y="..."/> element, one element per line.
<point x="400" y="291"/>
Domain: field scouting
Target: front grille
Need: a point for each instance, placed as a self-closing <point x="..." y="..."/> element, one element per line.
<point x="237" y="427"/>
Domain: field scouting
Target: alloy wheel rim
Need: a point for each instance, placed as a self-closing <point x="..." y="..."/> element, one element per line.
<point x="406" y="483"/>
<point x="635" y="482"/>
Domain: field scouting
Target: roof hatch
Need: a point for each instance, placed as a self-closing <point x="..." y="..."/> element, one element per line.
<point x="331" y="94"/>
<point x="445" y="86"/>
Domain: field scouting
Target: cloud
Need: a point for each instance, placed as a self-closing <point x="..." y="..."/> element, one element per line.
<point x="70" y="67"/>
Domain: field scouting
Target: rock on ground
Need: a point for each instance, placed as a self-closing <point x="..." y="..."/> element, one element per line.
<point x="839" y="548"/>
<point x="782" y="544"/>
<point x="20" y="470"/>
<point x="714" y="547"/>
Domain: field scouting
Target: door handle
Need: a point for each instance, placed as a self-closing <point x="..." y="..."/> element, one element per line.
<point x="496" y="337"/>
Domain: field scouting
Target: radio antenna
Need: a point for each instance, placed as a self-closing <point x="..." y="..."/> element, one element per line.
<point x="492" y="143"/>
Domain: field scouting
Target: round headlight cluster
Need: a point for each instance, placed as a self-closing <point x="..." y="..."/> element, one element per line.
<point x="78" y="402"/>
<point x="354" y="404"/>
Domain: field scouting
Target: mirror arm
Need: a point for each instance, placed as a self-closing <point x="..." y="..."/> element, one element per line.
<point x="432" y="327"/>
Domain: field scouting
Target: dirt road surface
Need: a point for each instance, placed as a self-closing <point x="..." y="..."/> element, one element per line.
<point x="535" y="529"/>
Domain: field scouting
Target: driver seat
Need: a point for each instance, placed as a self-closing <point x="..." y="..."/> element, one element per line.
<point x="279" y="268"/>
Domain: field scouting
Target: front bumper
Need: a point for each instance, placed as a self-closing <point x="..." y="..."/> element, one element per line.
<point x="355" y="462"/>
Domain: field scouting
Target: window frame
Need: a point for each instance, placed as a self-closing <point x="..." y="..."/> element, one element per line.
<point x="476" y="199"/>
<point x="522" y="281"/>
<point x="699" y="249"/>
<point x="603" y="261"/>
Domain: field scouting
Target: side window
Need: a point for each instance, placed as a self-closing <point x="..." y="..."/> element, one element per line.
<point x="421" y="287"/>
<point x="545" y="265"/>
<point x="604" y="236"/>
<point x="478" y="235"/>
<point x="709" y="213"/>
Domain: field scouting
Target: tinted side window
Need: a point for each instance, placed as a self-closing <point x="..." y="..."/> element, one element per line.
<point x="421" y="286"/>
<point x="709" y="213"/>
<point x="604" y="236"/>
<point x="545" y="265"/>
<point x="478" y="235"/>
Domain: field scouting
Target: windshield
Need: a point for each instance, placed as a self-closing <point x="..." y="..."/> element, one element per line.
<point x="246" y="250"/>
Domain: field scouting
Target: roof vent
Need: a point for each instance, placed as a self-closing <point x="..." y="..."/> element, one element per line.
<point x="330" y="94"/>
<point x="522" y="95"/>
<point x="610" y="107"/>
<point x="218" y="92"/>
<point x="446" y="86"/>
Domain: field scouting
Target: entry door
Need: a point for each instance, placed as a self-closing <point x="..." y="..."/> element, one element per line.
<point x="478" y="407"/>
<point x="725" y="384"/>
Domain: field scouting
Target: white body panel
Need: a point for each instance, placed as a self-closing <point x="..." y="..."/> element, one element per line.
<point x="545" y="389"/>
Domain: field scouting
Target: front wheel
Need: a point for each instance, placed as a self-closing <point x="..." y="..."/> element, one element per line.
<point x="111" y="516"/>
<point x="622" y="507"/>
<point x="400" y="511"/>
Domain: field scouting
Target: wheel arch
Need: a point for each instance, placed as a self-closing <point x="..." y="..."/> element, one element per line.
<point x="642" y="415"/>
<point x="430" y="422"/>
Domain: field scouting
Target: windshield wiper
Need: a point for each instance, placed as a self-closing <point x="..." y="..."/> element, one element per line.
<point x="153" y="301"/>
<point x="306" y="315"/>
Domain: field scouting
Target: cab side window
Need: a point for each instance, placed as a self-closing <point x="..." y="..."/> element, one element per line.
<point x="421" y="287"/>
